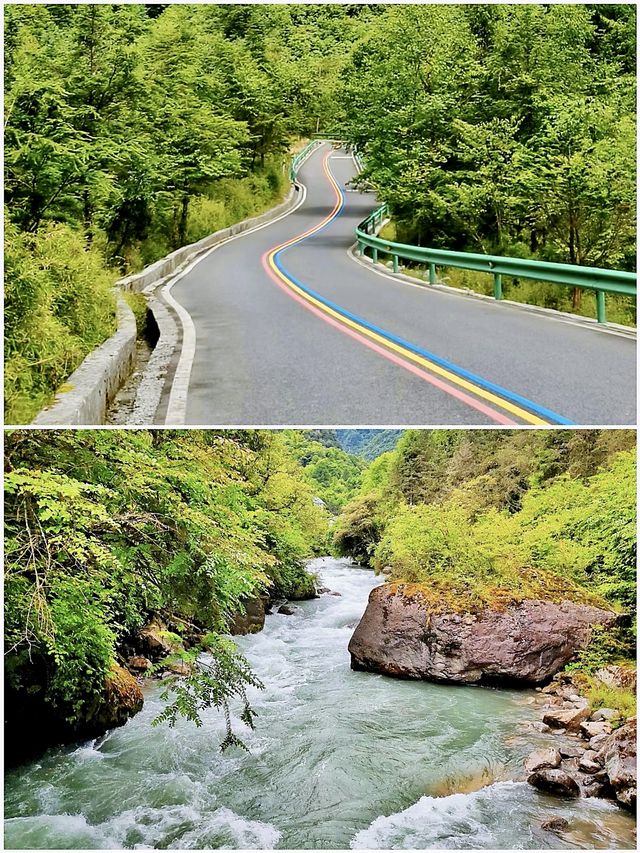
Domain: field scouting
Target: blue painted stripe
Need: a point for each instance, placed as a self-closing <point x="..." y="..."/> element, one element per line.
<point x="454" y="368"/>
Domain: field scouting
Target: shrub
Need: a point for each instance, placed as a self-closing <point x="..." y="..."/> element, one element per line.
<point x="59" y="305"/>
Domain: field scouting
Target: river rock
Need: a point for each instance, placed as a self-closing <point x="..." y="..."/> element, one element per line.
<point x="568" y="751"/>
<point x="624" y="677"/>
<point x="284" y="610"/>
<point x="525" y="643"/>
<point x="542" y="758"/>
<point x="139" y="663"/>
<point x="618" y="756"/>
<point x="554" y="781"/>
<point x="605" y="714"/>
<point x="122" y="699"/>
<point x="594" y="786"/>
<point x="555" y="824"/>
<point x="588" y="762"/>
<point x="179" y="667"/>
<point x="597" y="742"/>
<point x="590" y="729"/>
<point x="566" y="718"/>
<point x="252" y="620"/>
<point x="536" y="725"/>
<point x="154" y="639"/>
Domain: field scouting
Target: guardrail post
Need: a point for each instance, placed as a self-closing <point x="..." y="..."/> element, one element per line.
<point x="497" y="285"/>
<point x="360" y="248"/>
<point x="600" y="307"/>
<point x="395" y="263"/>
<point x="432" y="274"/>
<point x="374" y="254"/>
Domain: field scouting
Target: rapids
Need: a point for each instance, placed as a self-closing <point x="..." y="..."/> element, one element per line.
<point x="338" y="759"/>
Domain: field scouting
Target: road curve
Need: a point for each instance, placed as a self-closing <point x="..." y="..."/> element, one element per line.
<point x="289" y="329"/>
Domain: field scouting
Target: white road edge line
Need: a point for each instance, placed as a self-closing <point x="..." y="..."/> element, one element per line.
<point x="555" y="316"/>
<point x="177" y="405"/>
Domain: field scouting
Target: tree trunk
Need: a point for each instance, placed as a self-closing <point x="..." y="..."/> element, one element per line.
<point x="87" y="215"/>
<point x="182" y="222"/>
<point x="577" y="292"/>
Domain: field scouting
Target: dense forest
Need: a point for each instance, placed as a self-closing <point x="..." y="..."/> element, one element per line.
<point x="489" y="518"/>
<point x="506" y="130"/>
<point x="133" y="129"/>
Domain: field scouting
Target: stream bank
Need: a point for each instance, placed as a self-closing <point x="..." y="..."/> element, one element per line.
<point x="338" y="759"/>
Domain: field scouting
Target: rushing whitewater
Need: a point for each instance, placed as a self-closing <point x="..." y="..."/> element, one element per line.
<point x="338" y="759"/>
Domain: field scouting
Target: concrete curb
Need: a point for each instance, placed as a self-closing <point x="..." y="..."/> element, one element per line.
<point x="94" y="384"/>
<point x="164" y="368"/>
<point x="89" y="390"/>
<point x="153" y="275"/>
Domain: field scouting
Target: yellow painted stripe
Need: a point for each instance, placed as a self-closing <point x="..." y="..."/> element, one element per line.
<point x="519" y="412"/>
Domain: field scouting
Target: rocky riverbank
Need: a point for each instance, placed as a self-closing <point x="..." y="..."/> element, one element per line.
<point x="159" y="650"/>
<point x="596" y="751"/>
<point x="524" y="644"/>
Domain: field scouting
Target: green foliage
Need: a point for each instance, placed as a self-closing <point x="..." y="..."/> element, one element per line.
<point x="493" y="517"/>
<point x="107" y="528"/>
<point x="213" y="682"/>
<point x="59" y="305"/>
<point x="333" y="473"/>
<point x="606" y="646"/>
<point x="599" y="695"/>
<point x="357" y="530"/>
<point x="368" y="443"/>
<point x="505" y="130"/>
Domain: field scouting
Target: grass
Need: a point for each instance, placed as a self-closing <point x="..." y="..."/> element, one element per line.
<point x="455" y="593"/>
<point x="600" y="695"/>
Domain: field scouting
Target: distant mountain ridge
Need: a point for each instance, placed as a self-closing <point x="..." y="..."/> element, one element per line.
<point x="368" y="443"/>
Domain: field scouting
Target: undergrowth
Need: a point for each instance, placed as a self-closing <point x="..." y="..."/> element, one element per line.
<point x="59" y="301"/>
<point x="59" y="305"/>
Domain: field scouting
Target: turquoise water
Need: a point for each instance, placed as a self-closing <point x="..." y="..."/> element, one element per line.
<point x="338" y="759"/>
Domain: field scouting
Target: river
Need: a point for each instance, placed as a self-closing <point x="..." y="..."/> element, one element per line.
<point x="338" y="759"/>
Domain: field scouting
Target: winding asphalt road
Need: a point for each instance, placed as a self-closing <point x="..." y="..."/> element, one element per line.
<point x="291" y="330"/>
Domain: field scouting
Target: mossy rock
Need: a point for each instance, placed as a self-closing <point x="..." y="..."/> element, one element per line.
<point x="304" y="589"/>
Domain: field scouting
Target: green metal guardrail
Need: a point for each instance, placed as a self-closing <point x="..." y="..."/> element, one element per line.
<point x="301" y="156"/>
<point x="587" y="278"/>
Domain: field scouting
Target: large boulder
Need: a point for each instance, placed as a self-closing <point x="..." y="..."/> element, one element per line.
<point x="122" y="698"/>
<point x="618" y="756"/>
<point x="554" y="781"/>
<point x="542" y="758"/>
<point x="525" y="643"/>
<point x="566" y="718"/>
